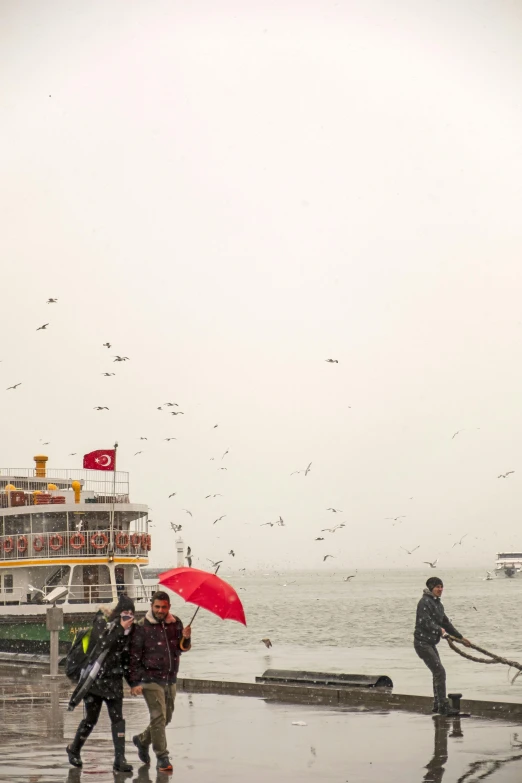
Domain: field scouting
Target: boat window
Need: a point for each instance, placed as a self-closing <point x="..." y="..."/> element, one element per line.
<point x="59" y="577"/>
<point x="50" y="522"/>
<point x="20" y="524"/>
<point x="7" y="587"/>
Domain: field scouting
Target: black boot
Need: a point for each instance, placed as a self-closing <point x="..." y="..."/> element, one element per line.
<point x="118" y="738"/>
<point x="447" y="710"/>
<point x="73" y="750"/>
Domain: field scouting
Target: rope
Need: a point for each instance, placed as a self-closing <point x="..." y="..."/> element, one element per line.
<point x="492" y="658"/>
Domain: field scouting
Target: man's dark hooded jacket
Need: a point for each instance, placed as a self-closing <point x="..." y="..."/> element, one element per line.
<point x="155" y="650"/>
<point x="430" y="619"/>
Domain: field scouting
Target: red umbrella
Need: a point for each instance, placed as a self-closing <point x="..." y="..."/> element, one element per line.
<point x="207" y="591"/>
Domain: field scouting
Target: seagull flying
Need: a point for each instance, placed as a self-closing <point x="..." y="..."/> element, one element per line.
<point x="219" y="519"/>
<point x="267" y="642"/>
<point x="100" y="408"/>
<point x="13" y="387"/>
<point x="326" y="556"/>
<point x="319" y="539"/>
<point x="352" y="576"/>
<point x="142" y="438"/>
<point x="167" y="439"/>
<point x="396" y="519"/>
<point x="332" y="361"/>
<point x="171" y="404"/>
<point x="332" y="529"/>
<point x="73" y="454"/>
<point x="52" y="301"/>
<point x="216" y="564"/>
<point x="108" y="374"/>
<point x="177" y="413"/>
<point x="267" y="523"/>
<point x="505" y="475"/>
<point x="335" y="510"/>
<point x="187" y="511"/>
<point x="175" y="528"/>
<point x="431" y="565"/>
<point x="457" y="543"/>
<point x="106" y="345"/>
<point x="456" y="433"/>
<point x="121" y="359"/>
<point x="232" y="553"/>
<point x="217" y="495"/>
<point x="410" y="552"/>
<point x="188" y="557"/>
<point x="306" y="471"/>
<point x="42" y="327"/>
<point x="172" y="494"/>
<point x="225" y="454"/>
<point x="138" y="452"/>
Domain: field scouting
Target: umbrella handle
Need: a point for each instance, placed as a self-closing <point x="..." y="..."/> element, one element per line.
<point x="197" y="610"/>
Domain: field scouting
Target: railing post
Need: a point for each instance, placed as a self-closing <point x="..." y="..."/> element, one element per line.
<point x="54" y="623"/>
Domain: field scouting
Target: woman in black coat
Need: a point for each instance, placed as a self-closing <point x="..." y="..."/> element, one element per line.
<point x="109" y="631"/>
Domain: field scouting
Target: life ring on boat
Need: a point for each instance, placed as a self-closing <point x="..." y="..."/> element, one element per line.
<point x="40" y="546"/>
<point x="21" y="544"/>
<point x="122" y="540"/>
<point x="77" y="540"/>
<point x="55" y="542"/>
<point x="135" y="540"/>
<point x="144" y="541"/>
<point x="149" y="543"/>
<point x="99" y="540"/>
<point x="8" y="545"/>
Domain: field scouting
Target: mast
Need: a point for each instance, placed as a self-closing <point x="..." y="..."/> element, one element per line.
<point x="111" y="531"/>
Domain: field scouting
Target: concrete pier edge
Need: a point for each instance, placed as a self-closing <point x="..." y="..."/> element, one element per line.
<point x="359" y="698"/>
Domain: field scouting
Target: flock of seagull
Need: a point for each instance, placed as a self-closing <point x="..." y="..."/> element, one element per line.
<point x="397" y="520"/>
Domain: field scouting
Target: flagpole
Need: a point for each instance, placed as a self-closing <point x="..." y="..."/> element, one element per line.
<point x="111" y="536"/>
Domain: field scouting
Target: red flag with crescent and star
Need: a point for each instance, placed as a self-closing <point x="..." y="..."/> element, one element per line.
<point x="103" y="459"/>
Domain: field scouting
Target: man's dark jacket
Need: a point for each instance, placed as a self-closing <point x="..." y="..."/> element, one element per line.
<point x="155" y="650"/>
<point x="430" y="619"/>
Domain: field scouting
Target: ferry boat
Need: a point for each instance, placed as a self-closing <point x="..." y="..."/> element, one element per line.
<point x="74" y="529"/>
<point x="509" y="562"/>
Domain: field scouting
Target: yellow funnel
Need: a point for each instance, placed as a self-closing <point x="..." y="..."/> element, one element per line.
<point x="40" y="460"/>
<point x="77" y="489"/>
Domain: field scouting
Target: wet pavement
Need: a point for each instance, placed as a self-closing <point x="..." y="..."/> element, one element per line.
<point x="246" y="739"/>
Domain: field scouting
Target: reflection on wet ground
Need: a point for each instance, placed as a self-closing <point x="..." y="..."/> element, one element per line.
<point x="245" y="739"/>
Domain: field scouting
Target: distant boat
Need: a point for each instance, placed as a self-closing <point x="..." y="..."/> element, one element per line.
<point x="509" y="562"/>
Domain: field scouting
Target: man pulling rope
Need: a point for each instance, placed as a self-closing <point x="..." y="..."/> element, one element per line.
<point x="432" y="624"/>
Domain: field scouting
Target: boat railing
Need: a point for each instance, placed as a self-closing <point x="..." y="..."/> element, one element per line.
<point x="102" y="482"/>
<point x="80" y="594"/>
<point x="22" y="498"/>
<point x="73" y="544"/>
<point x="103" y="593"/>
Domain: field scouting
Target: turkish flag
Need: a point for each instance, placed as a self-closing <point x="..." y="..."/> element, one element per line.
<point x="103" y="459"/>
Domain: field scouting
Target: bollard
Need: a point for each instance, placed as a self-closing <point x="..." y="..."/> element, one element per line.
<point x="54" y="624"/>
<point x="455" y="700"/>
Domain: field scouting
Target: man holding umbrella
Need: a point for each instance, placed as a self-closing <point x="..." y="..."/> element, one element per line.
<point x="155" y="649"/>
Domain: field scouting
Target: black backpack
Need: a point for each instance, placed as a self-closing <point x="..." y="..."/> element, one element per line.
<point x="78" y="655"/>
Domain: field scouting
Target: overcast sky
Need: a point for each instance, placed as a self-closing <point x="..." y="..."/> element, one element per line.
<point x="232" y="193"/>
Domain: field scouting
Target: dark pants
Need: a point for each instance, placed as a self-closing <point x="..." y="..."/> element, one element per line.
<point x="93" y="704"/>
<point x="430" y="655"/>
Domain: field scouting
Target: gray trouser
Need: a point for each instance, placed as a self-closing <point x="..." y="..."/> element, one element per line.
<point x="430" y="655"/>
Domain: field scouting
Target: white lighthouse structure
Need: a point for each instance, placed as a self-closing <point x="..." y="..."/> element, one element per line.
<point x="180" y="549"/>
